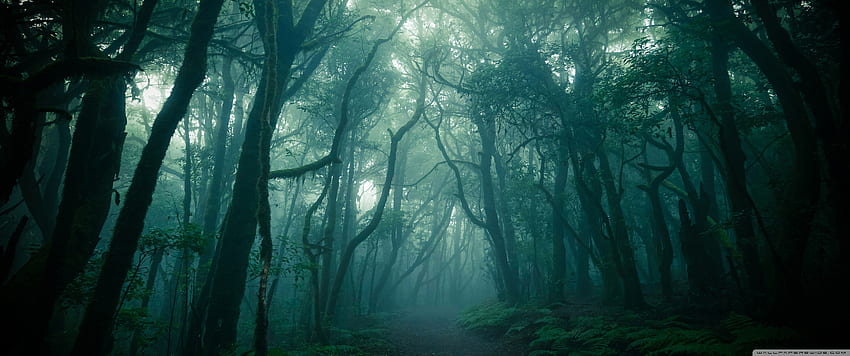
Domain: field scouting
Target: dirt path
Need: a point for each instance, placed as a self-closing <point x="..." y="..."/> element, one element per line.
<point x="433" y="332"/>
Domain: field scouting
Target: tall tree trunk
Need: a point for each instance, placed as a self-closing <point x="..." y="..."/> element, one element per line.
<point x="213" y="205"/>
<point x="29" y="185"/>
<point x="282" y="253"/>
<point x="312" y="258"/>
<point x="492" y="219"/>
<point x="397" y="235"/>
<point x="624" y="257"/>
<point x="97" y="322"/>
<point x="589" y="190"/>
<point x="93" y="164"/>
<point x="438" y="229"/>
<point x="661" y="234"/>
<point x="153" y="270"/>
<point x="559" y="250"/>
<point x="239" y="229"/>
<point x="832" y="130"/>
<point x="736" y="186"/>
<point x="54" y="180"/>
<point x="348" y="252"/>
<point x="700" y="248"/>
<point x="329" y="234"/>
<point x="268" y="118"/>
<point x="261" y="344"/>
<point x="211" y="212"/>
<point x="40" y="185"/>
<point x="803" y="193"/>
<point x="87" y="193"/>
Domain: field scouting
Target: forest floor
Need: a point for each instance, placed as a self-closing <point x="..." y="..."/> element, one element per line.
<point x="434" y="331"/>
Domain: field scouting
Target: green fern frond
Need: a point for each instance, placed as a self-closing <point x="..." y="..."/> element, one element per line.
<point x="489" y="317"/>
<point x="750" y="334"/>
<point x="737" y="321"/>
<point x="669" y="322"/>
<point x="660" y="340"/>
<point x="547" y="336"/>
<point x="548" y="319"/>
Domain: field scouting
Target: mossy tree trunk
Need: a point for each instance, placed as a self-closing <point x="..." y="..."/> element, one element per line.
<point x="239" y="228"/>
<point x="97" y="324"/>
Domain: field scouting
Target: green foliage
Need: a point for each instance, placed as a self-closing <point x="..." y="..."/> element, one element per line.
<point x="581" y="336"/>
<point x="492" y="319"/>
<point x="189" y="236"/>
<point x="547" y="333"/>
<point x="370" y="341"/>
<point x="750" y="334"/>
<point x="138" y="321"/>
<point x="390" y="220"/>
<point x="547" y="336"/>
<point x="133" y="318"/>
<point x="738" y="334"/>
<point x="289" y="259"/>
<point x="81" y="288"/>
<point x="360" y="342"/>
<point x="135" y="285"/>
<point x="675" y="340"/>
<point x="330" y="350"/>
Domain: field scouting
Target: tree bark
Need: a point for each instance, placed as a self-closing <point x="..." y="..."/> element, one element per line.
<point x="624" y="256"/>
<point x="398" y="233"/>
<point x="803" y="193"/>
<point x="664" y="246"/>
<point x="348" y="252"/>
<point x="736" y="186"/>
<point x="97" y="322"/>
<point x="239" y="229"/>
<point x="559" y="250"/>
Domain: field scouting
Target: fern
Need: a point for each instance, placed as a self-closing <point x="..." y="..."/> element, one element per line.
<point x="548" y="319"/>
<point x="671" y="337"/>
<point x="547" y="336"/>
<point x="489" y="318"/>
<point x="674" y="341"/>
<point x="750" y="334"/>
<point x="593" y="341"/>
<point x="737" y="321"/>
<point x="668" y="322"/>
<point x="588" y="336"/>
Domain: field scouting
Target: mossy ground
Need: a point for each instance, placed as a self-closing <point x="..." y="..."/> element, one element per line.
<point x="584" y="329"/>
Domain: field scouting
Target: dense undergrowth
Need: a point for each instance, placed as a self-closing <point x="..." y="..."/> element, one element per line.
<point x="365" y="337"/>
<point x="585" y="330"/>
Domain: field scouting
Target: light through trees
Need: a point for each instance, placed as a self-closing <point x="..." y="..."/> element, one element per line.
<point x="422" y="177"/>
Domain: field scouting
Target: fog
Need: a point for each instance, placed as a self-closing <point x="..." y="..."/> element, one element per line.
<point x="446" y="177"/>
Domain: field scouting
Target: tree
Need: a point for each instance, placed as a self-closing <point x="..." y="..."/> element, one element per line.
<point x="87" y="192"/>
<point x="97" y="323"/>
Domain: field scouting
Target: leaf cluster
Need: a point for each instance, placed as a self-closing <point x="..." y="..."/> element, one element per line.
<point x="188" y="236"/>
<point x="548" y="333"/>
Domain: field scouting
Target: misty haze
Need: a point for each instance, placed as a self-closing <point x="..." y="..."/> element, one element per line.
<point x="423" y="177"/>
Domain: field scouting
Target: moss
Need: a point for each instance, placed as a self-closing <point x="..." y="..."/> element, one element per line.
<point x="548" y="333"/>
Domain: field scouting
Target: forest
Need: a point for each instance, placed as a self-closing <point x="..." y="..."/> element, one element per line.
<point x="423" y="177"/>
